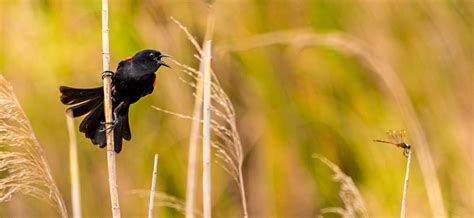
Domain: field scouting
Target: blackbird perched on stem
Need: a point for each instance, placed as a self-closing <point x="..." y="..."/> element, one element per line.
<point x="135" y="77"/>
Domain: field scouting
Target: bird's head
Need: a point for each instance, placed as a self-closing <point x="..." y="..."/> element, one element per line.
<point x="150" y="59"/>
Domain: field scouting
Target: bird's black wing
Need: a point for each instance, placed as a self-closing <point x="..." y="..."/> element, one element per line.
<point x="151" y="86"/>
<point x="122" y="63"/>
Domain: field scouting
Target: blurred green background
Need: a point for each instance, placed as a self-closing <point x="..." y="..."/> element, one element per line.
<point x="290" y="101"/>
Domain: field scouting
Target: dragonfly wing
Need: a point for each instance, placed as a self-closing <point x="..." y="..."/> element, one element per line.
<point x="391" y="136"/>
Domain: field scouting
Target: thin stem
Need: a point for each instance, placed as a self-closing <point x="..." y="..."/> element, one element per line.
<point x="206" y="131"/>
<point x="242" y="192"/>
<point x="74" y="169"/>
<point x="193" y="145"/>
<point x="108" y="111"/>
<point x="405" y="186"/>
<point x="153" y="187"/>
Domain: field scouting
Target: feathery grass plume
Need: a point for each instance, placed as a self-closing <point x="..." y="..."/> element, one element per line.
<point x="22" y="162"/>
<point x="165" y="200"/>
<point x="228" y="147"/>
<point x="353" y="203"/>
<point x="376" y="64"/>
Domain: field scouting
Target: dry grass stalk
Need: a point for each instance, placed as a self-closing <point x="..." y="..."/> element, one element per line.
<point x="192" y="155"/>
<point x="228" y="147"/>
<point x="392" y="84"/>
<point x="352" y="200"/>
<point x="164" y="200"/>
<point x="194" y="134"/>
<point x="206" y="109"/>
<point x="108" y="111"/>
<point x="22" y="162"/>
<point x="405" y="185"/>
<point x="153" y="187"/>
<point x="206" y="130"/>
<point x="74" y="169"/>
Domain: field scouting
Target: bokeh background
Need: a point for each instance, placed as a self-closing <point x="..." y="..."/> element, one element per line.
<point x="291" y="101"/>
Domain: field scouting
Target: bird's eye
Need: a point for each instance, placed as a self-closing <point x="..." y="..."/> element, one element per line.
<point x="152" y="55"/>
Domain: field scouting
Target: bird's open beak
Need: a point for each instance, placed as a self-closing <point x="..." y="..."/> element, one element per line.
<point x="160" y="62"/>
<point x="163" y="55"/>
<point x="163" y="63"/>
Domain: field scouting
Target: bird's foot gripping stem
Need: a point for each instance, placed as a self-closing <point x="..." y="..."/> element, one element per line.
<point x="112" y="124"/>
<point x="107" y="73"/>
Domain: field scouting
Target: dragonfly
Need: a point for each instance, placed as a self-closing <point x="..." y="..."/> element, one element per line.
<point x="397" y="138"/>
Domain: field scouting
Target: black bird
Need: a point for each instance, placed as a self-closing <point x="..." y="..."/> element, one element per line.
<point x="135" y="77"/>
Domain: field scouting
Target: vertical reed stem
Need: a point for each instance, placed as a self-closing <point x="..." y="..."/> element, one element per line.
<point x="405" y="186"/>
<point x="74" y="169"/>
<point x="206" y="128"/>
<point x="153" y="187"/>
<point x="108" y="111"/>
<point x="206" y="131"/>
<point x="193" y="145"/>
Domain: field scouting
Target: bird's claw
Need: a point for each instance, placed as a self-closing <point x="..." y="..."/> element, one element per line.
<point x="109" y="128"/>
<point x="111" y="125"/>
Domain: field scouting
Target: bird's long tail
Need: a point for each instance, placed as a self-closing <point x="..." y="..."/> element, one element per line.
<point x="84" y="100"/>
<point x="90" y="101"/>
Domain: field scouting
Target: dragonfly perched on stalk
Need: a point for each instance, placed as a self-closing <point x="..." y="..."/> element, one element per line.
<point x="397" y="138"/>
